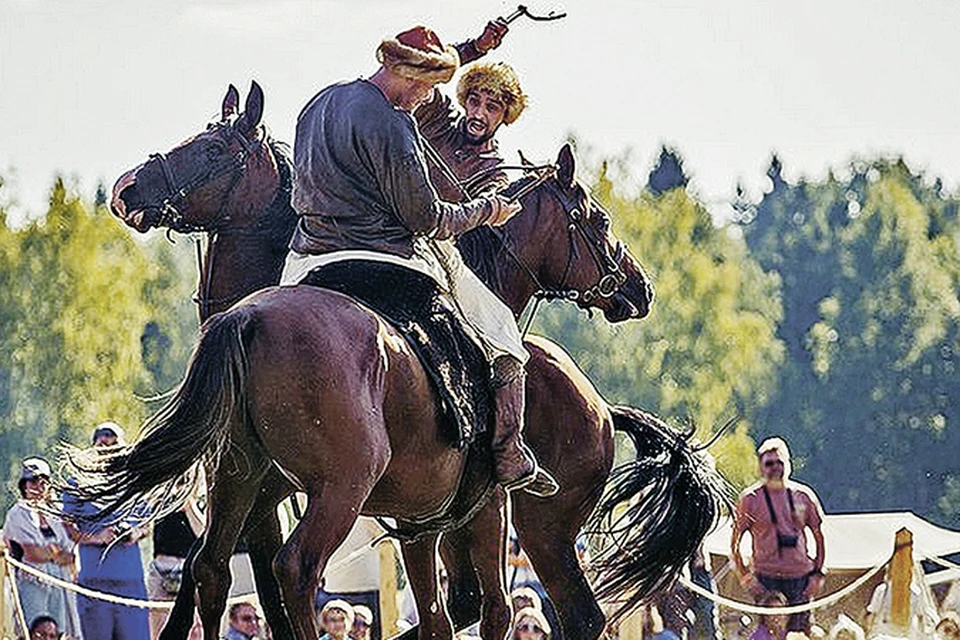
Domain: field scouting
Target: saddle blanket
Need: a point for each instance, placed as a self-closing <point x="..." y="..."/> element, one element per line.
<point x="412" y="303"/>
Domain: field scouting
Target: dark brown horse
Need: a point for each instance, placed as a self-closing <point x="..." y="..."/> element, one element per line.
<point x="568" y="423"/>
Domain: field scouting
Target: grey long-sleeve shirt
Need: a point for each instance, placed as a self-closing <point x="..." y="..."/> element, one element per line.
<point x="361" y="178"/>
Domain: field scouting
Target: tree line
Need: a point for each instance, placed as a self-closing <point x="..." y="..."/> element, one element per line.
<point x="826" y="312"/>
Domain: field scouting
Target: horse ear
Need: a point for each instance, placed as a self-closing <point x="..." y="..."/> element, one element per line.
<point x="566" y="165"/>
<point x="231" y="102"/>
<point x="253" y="111"/>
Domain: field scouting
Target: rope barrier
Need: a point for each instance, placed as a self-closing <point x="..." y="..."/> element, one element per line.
<point x="797" y="608"/>
<point x="99" y="595"/>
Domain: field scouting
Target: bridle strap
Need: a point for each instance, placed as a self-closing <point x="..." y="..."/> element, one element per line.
<point x="169" y="207"/>
<point x="611" y="276"/>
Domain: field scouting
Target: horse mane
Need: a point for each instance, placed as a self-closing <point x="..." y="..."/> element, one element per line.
<point x="482" y="247"/>
<point x="280" y="218"/>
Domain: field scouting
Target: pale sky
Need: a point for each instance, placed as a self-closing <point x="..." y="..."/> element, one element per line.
<point x="88" y="88"/>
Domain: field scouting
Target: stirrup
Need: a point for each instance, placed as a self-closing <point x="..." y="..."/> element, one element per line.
<point x="538" y="482"/>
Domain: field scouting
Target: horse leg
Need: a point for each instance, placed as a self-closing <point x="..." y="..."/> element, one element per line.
<point x="331" y="512"/>
<point x="230" y="500"/>
<point x="463" y="590"/>
<point x="178" y="623"/>
<point x="420" y="559"/>
<point x="550" y="541"/>
<point x="477" y="550"/>
<point x="488" y="553"/>
<point x="262" y="533"/>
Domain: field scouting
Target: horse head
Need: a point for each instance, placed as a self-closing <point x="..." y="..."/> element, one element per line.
<point x="579" y="257"/>
<point x="212" y="179"/>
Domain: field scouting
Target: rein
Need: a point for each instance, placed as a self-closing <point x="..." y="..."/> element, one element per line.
<point x="216" y="229"/>
<point x="611" y="276"/>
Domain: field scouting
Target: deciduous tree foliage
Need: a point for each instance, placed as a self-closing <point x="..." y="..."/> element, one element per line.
<point x="869" y="266"/>
<point x="91" y="322"/>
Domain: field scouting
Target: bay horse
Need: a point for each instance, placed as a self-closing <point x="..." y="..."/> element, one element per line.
<point x="568" y="423"/>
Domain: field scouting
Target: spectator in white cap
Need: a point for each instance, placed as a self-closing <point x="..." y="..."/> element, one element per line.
<point x="336" y="618"/>
<point x="107" y="434"/>
<point x="362" y="621"/>
<point x="41" y="541"/>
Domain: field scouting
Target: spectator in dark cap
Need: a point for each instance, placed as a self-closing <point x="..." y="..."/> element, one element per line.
<point x="44" y="628"/>
<point x="42" y="542"/>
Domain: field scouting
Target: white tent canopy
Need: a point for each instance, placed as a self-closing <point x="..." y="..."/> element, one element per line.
<point x="861" y="540"/>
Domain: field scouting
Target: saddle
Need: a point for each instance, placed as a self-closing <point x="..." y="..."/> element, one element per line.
<point x="411" y="302"/>
<point x="458" y="370"/>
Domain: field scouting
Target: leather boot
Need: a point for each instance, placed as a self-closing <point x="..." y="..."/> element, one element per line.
<point x="515" y="465"/>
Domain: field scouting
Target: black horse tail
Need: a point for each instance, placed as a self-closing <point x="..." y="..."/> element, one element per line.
<point x="656" y="511"/>
<point x="159" y="471"/>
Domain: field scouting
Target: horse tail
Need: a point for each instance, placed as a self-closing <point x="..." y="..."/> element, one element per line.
<point x="656" y="510"/>
<point x="159" y="471"/>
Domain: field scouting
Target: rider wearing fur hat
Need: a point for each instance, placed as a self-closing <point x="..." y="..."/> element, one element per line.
<point x="490" y="95"/>
<point x="363" y="191"/>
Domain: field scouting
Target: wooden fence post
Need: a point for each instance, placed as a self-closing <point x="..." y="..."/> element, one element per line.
<point x="901" y="574"/>
<point x="389" y="612"/>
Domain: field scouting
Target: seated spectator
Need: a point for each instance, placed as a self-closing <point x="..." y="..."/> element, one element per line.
<point x="42" y="542"/>
<point x="772" y="626"/>
<point x="530" y="624"/>
<point x="336" y="619"/>
<point x="362" y="621"/>
<point x="949" y="626"/>
<point x="244" y="622"/>
<point x="44" y="628"/>
<point x="523" y="597"/>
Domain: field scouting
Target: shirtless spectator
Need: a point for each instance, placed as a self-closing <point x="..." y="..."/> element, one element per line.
<point x="778" y="512"/>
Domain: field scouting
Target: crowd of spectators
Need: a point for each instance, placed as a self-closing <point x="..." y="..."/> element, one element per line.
<point x="777" y="512"/>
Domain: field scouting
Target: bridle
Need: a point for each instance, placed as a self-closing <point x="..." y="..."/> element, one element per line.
<point x="611" y="277"/>
<point x="171" y="204"/>
<point x="176" y="194"/>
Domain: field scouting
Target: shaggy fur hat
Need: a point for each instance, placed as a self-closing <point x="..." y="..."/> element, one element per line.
<point x="418" y="54"/>
<point x="498" y="78"/>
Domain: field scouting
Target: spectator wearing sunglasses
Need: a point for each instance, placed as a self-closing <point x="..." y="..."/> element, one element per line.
<point x="778" y="512"/>
<point x="530" y="624"/>
<point x="244" y="622"/>
<point x="362" y="620"/>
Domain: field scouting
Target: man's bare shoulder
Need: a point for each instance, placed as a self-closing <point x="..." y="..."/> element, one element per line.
<point x="751" y="492"/>
<point x="803" y="490"/>
<point x="799" y="487"/>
